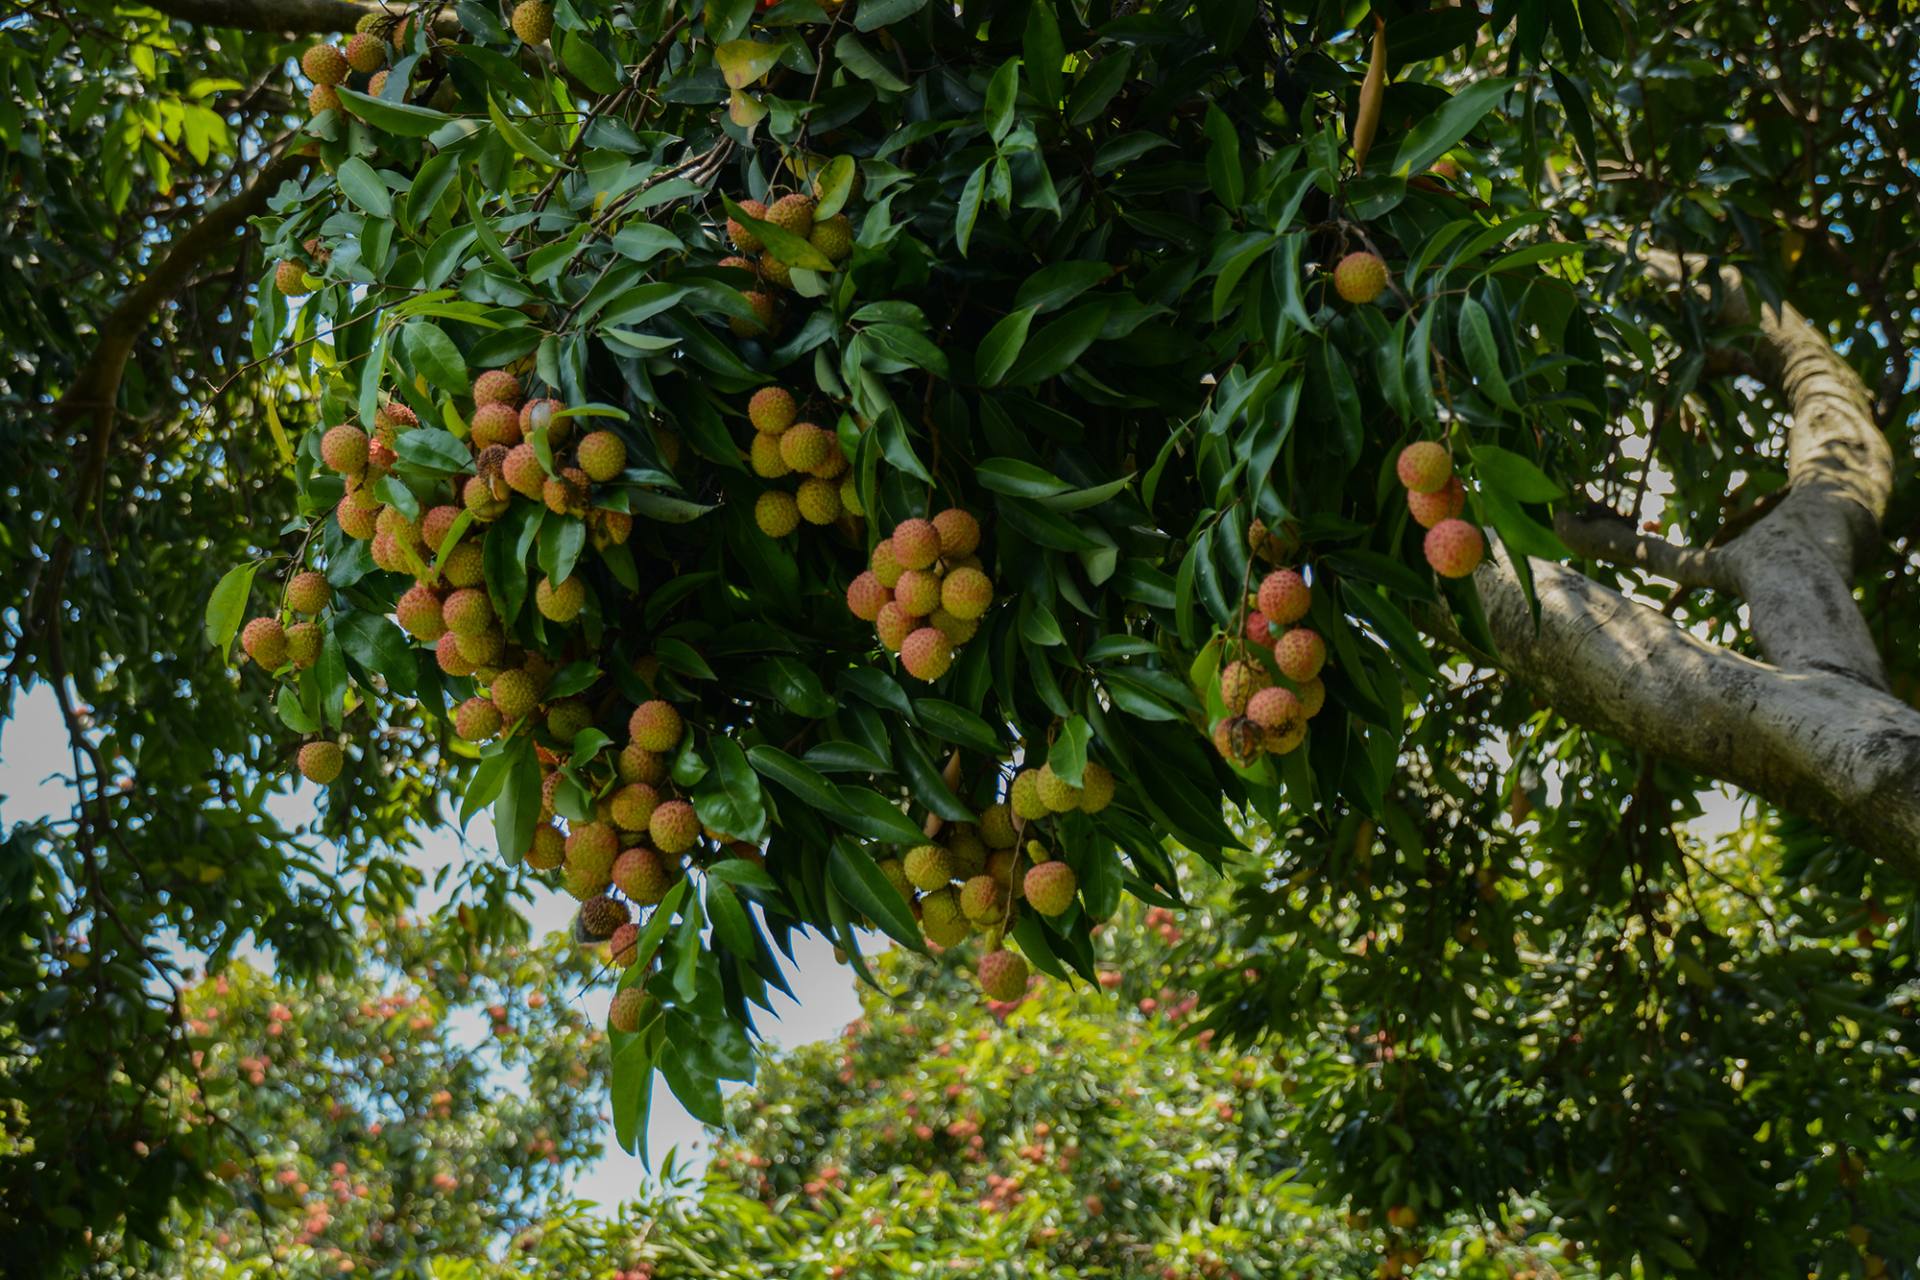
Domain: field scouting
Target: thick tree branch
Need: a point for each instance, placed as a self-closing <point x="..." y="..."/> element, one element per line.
<point x="1817" y="743"/>
<point x="1612" y="539"/>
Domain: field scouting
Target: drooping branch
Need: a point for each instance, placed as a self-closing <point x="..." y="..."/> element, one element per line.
<point x="1612" y="539"/>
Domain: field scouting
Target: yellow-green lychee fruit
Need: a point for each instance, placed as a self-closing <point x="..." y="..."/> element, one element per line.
<point x="533" y="20"/>
<point x="321" y="762"/>
<point x="1050" y="887"/>
<point x="928" y="866"/>
<point x="942" y="920"/>
<point x="1360" y="277"/>
<point x="655" y="726"/>
<point x="1003" y="976"/>
<point x="777" y="513"/>
<point x="1025" y="796"/>
<point x="1096" y="788"/>
<point x="1056" y="792"/>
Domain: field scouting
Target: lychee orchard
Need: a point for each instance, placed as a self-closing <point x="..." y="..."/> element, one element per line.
<point x="851" y="474"/>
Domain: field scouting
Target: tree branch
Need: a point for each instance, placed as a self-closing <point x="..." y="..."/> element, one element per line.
<point x="1611" y="538"/>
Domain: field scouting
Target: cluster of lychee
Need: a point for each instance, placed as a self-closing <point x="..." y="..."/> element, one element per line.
<point x="365" y="53"/>
<point x="833" y="237"/>
<point x="275" y="644"/>
<point x="925" y="590"/>
<point x="784" y="446"/>
<point x="1264" y="717"/>
<point x="1436" y="498"/>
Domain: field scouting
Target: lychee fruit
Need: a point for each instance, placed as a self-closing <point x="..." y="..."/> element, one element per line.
<point x="324" y="64"/>
<point x="308" y="592"/>
<point x="322" y="97"/>
<point x="818" y="501"/>
<point x="1050" y="887"/>
<point x="481" y="648"/>
<point x="344" y="449"/>
<point x="566" y="493"/>
<point x="290" y="278"/>
<point x="629" y="1003"/>
<point x="1285" y="597"/>
<point x="1424" y="466"/>
<point x="762" y="304"/>
<point x="777" y="513"/>
<point x="1300" y="654"/>
<point x="1059" y="795"/>
<point x="804" y="446"/>
<point x="514" y="692"/>
<point x="357" y="518"/>
<point x="996" y="826"/>
<point x="771" y="410"/>
<point x="602" y="455"/>
<point x="926" y="654"/>
<point x="674" y="827"/>
<point x="966" y="593"/>
<point x="633" y="805"/>
<point x="567" y="718"/>
<point x="1454" y="548"/>
<point x="496" y="386"/>
<point x="1096" y="788"/>
<point x="477" y="719"/>
<point x="321" y="762"/>
<point x="983" y="900"/>
<point x="1313" y="696"/>
<point x="1360" y="277"/>
<point x="942" y="920"/>
<point x="1024" y="796"/>
<point x="1274" y="708"/>
<point x="366" y="53"/>
<point x="467" y="611"/>
<point x="743" y="238"/>
<point x="480" y="497"/>
<point x="637" y="764"/>
<point x="918" y="592"/>
<point x="601" y="915"/>
<point x="928" y="866"/>
<point x="893" y="625"/>
<point x="833" y="237"/>
<point x="776" y="272"/>
<point x="591" y="848"/>
<point x="538" y="415"/>
<point x="1003" y="976"/>
<point x="419" y="612"/>
<point x="958" y="630"/>
<point x="655" y="726"/>
<point x="303" y="644"/>
<point x="624" y="945"/>
<point x="522" y="471"/>
<point x="1239" y="681"/>
<point x="959" y="533"/>
<point x="896" y="873"/>
<point x="560" y="602"/>
<point x="548" y="850"/>
<point x="533" y="21"/>
<point x="865" y="596"/>
<point x="1259" y="629"/>
<point x="1429" y="509"/>
<point x="792" y="213"/>
<point x="642" y="876"/>
<point x="496" y="423"/>
<point x="915" y="544"/>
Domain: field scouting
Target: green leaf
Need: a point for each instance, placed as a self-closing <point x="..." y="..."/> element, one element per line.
<point x="1068" y="757"/>
<point x="1001" y="345"/>
<point x="434" y="355"/>
<point x="379" y="647"/>
<point x="789" y="248"/>
<point x="432" y="449"/>
<point x="859" y="880"/>
<point x="1045" y="55"/>
<point x="834" y="184"/>
<point x="742" y="62"/>
<point x="807" y="784"/>
<point x="518" y="809"/>
<point x="874" y="14"/>
<point x="400" y="118"/>
<point x="362" y="185"/>
<point x="967" y="211"/>
<point x="925" y="781"/>
<point x="1224" y="172"/>
<point x="588" y="64"/>
<point x="1434" y="136"/>
<point x="1513" y="475"/>
<point x="1055" y="286"/>
<point x="875" y="816"/>
<point x="1054" y="349"/>
<point x="860" y="60"/>
<point x="517" y="138"/>
<point x="1001" y="91"/>
<point x="958" y="725"/>
<point x="227" y="606"/>
<point x="1483" y="354"/>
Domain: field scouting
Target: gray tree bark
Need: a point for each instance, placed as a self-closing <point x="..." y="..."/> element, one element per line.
<point x="1812" y="729"/>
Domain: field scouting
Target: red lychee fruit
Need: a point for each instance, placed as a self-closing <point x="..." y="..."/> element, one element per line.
<point x="629" y="1003"/>
<point x="1274" y="708"/>
<point x="1003" y="975"/>
<point x="959" y="533"/>
<point x="655" y="725"/>
<point x="1300" y="654"/>
<point x="419" y="612"/>
<point x="496" y="386"/>
<point x="1050" y="887"/>
<point x="674" y="827"/>
<point x="926" y="654"/>
<point x="1239" y="681"/>
<point x="344" y="449"/>
<point x="308" y="592"/>
<point x="1424" y="466"/>
<point x="915" y="544"/>
<point x="642" y="876"/>
<point x="324" y="64"/>
<point x="865" y="596"/>
<point x="771" y="410"/>
<point x="1429" y="509"/>
<point x="893" y="625"/>
<point x="1285" y="597"/>
<point x="1454" y="548"/>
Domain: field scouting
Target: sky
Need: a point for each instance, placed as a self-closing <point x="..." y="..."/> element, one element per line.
<point x="33" y="748"/>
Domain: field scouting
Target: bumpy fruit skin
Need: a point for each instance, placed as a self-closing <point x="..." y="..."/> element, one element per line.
<point x="793" y="213"/>
<point x="629" y="1003"/>
<point x="1096" y="788"/>
<point x="1424" y="466"/>
<point x="533" y="21"/>
<point x="515" y="693"/>
<point x="356" y="517"/>
<point x="1024" y="796"/>
<point x="344" y="450"/>
<point x="522" y="471"/>
<point x="602" y="455"/>
<point x="956" y="630"/>
<point x="743" y="238"/>
<point x="467" y="611"/>
<point x="479" y="497"/>
<point x="1239" y="681"/>
<point x="916" y="544"/>
<point x="265" y="641"/>
<point x="833" y="237"/>
<point x="1360" y="277"/>
<point x="637" y="764"/>
<point x="601" y="915"/>
<point x="926" y="654"/>
<point x="762" y="303"/>
<point x="567" y="718"/>
<point x="477" y="719"/>
<point x="377" y="84"/>
<point x="482" y="648"/>
<point x="642" y="876"/>
<point x="655" y="725"/>
<point x="1300" y="654"/>
<point x="633" y="806"/>
<point x="896" y="875"/>
<point x="918" y="592"/>
<point x="321" y="762"/>
<point x="996" y="826"/>
<point x="591" y="849"/>
<point x="365" y="53"/>
<point x="928" y="866"/>
<point x="834" y="465"/>
<point x="968" y="849"/>
<point x="1313" y="696"/>
<point x="942" y="920"/>
<point x="1050" y="887"/>
<point x="959" y="533"/>
<point x="1429" y="509"/>
<point x="763" y="454"/>
<point x="818" y="501"/>
<point x="1285" y="597"/>
<point x="303" y="644"/>
<point x="624" y="945"/>
<point x="777" y="513"/>
<point x="771" y="410"/>
<point x="804" y="446"/>
<point x="1259" y="629"/>
<point x="324" y="64"/>
<point x="496" y="386"/>
<point x="436" y="525"/>
<point x="966" y="593"/>
<point x="492" y="424"/>
<point x="1239" y="739"/>
<point x="1059" y="795"/>
<point x="464" y="566"/>
<point x="537" y="415"/>
<point x="982" y="900"/>
<point x="562" y="602"/>
<point x="885" y="565"/>
<point x="565" y="494"/>
<point x="308" y="592"/>
<point x="674" y="827"/>
<point x="290" y="278"/>
<point x="865" y="596"/>
<point x="1003" y="976"/>
<point x="548" y="850"/>
<point x="1275" y="708"/>
<point x="776" y="271"/>
<point x="323" y="97"/>
<point x="1454" y="548"/>
<point x="893" y="625"/>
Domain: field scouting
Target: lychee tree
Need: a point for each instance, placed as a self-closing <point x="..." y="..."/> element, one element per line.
<point x="1116" y="325"/>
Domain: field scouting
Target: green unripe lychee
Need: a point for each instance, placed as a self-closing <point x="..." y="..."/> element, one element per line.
<point x="1056" y="792"/>
<point x="674" y="827"/>
<point x="804" y="446"/>
<point x="303" y="644"/>
<point x="548" y="850"/>
<point x="322" y="97"/>
<point x="818" y="501"/>
<point x="885" y="565"/>
<point x="966" y="593"/>
<point x="833" y="237"/>
<point x="602" y="455"/>
<point x="467" y="611"/>
<point x="983" y="900"/>
<point x="591" y="848"/>
<point x="321" y="762"/>
<point x="1424" y="466"/>
<point x="568" y="718"/>
<point x="996" y="826"/>
<point x="792" y="213"/>
<point x="308" y="592"/>
<point x="1025" y="796"/>
<point x="918" y="592"/>
<point x="481" y="648"/>
<point x="942" y="920"/>
<point x="324" y="64"/>
<point x="561" y="603"/>
<point x="1096" y="788"/>
<point x="896" y="873"/>
<point x="763" y="454"/>
<point x="533" y="21"/>
<point x="633" y="806"/>
<point x="777" y="513"/>
<point x="514" y="692"/>
<point x="927" y="654"/>
<point x="771" y="410"/>
<point x="637" y="764"/>
<point x="477" y="719"/>
<point x="366" y="53"/>
<point x="1360" y="277"/>
<point x="928" y="866"/>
